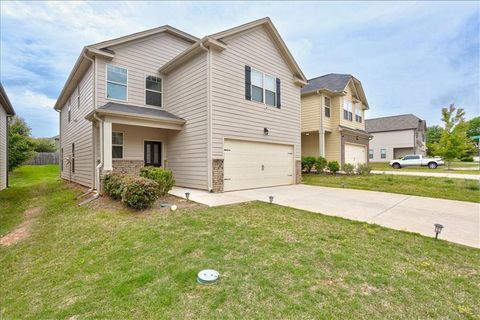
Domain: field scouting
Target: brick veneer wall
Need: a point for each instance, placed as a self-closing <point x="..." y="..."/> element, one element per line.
<point x="127" y="166"/>
<point x="217" y="166"/>
<point x="298" y="171"/>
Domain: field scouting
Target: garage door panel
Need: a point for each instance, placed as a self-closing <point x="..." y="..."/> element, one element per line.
<point x="355" y="154"/>
<point x="254" y="165"/>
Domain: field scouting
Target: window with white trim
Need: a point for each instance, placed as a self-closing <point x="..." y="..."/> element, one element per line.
<point x="153" y="91"/>
<point x="383" y="153"/>
<point x="358" y="114"/>
<point x="270" y="90"/>
<point x="117" y="79"/>
<point x="327" y="107"/>
<point x="257" y="85"/>
<point x="264" y="88"/>
<point x="370" y="153"/>
<point x="117" y="145"/>
<point x="78" y="97"/>
<point x="347" y="110"/>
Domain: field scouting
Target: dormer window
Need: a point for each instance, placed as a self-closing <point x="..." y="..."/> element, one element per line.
<point x="153" y="91"/>
<point x="358" y="114"/>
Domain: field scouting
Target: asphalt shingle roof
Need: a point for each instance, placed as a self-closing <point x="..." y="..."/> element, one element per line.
<point x="392" y="123"/>
<point x="119" y="107"/>
<point x="331" y="81"/>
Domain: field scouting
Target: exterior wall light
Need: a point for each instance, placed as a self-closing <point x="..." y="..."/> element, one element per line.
<point x="438" y="229"/>
<point x="265" y="131"/>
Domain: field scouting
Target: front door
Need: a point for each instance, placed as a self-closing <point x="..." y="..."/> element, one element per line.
<point x="153" y="153"/>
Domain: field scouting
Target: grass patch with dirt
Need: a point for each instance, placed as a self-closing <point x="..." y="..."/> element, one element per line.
<point x="455" y="167"/>
<point x="444" y="188"/>
<point x="102" y="261"/>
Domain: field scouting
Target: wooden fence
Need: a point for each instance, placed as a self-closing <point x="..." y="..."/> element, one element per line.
<point x="44" y="158"/>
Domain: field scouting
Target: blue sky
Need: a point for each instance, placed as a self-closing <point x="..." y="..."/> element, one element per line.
<point x="412" y="57"/>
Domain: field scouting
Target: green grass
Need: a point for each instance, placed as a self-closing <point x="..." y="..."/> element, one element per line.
<point x="27" y="184"/>
<point x="384" y="166"/>
<point x="275" y="262"/>
<point x="444" y="188"/>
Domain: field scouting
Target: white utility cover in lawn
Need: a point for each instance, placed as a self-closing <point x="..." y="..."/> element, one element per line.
<point x="250" y="165"/>
<point x="355" y="154"/>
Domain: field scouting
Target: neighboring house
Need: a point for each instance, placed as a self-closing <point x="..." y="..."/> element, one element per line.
<point x="6" y="111"/>
<point x="221" y="112"/>
<point x="396" y="136"/>
<point x="333" y="113"/>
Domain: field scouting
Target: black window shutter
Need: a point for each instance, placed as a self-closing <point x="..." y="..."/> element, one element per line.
<point x="248" y="82"/>
<point x="278" y="94"/>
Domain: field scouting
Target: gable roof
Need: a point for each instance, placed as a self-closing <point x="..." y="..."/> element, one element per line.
<point x="5" y="102"/>
<point x="217" y="37"/>
<point x="335" y="83"/>
<point x="102" y="49"/>
<point x="394" y="123"/>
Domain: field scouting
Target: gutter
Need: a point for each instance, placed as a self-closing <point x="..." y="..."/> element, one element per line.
<point x="209" y="116"/>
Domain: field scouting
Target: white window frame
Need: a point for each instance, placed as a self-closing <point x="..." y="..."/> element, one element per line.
<point x="145" y="90"/>
<point x="329" y="107"/>
<point x="119" y="145"/>
<point x="263" y="88"/>
<point x="371" y="154"/>
<point x="106" y="82"/>
<point x="383" y="155"/>
<point x="78" y="97"/>
<point x="358" y="112"/>
<point x="349" y="110"/>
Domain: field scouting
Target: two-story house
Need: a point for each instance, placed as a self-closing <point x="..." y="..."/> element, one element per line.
<point x="333" y="113"/>
<point x="394" y="137"/>
<point x="222" y="112"/>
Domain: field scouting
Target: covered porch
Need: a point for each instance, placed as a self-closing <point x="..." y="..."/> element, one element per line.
<point x="127" y="138"/>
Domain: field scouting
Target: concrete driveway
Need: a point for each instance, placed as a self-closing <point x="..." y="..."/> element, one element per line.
<point x="402" y="212"/>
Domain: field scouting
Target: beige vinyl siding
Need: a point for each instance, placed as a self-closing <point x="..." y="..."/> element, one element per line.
<point x="186" y="97"/>
<point x="310" y="144"/>
<point x="311" y="105"/>
<point x="333" y="147"/>
<point x="390" y="140"/>
<point x="235" y="117"/>
<point x="142" y="57"/>
<point x="79" y="131"/>
<point x="134" y="137"/>
<point x="327" y="121"/>
<point x="3" y="148"/>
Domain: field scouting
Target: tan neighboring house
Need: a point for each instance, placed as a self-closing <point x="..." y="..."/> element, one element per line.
<point x="333" y="113"/>
<point x="6" y="111"/>
<point x="222" y="112"/>
<point x="396" y="136"/>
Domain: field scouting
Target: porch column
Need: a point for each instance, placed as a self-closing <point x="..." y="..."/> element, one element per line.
<point x="107" y="145"/>
<point x="321" y="142"/>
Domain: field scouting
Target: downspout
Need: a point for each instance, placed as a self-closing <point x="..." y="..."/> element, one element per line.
<point x="209" y="117"/>
<point x="95" y="176"/>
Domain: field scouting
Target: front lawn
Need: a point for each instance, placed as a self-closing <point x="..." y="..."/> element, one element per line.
<point x="456" y="167"/>
<point x="444" y="188"/>
<point x="275" y="262"/>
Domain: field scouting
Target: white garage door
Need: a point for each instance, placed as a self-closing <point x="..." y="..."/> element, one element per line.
<point x="355" y="154"/>
<point x="255" y="164"/>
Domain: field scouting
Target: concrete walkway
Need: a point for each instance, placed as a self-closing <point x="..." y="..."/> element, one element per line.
<point x="402" y="212"/>
<point x="430" y="174"/>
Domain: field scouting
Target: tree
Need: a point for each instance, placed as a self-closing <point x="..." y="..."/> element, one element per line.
<point x="453" y="142"/>
<point x="434" y="133"/>
<point x="20" y="144"/>
<point x="44" y="145"/>
<point x="473" y="127"/>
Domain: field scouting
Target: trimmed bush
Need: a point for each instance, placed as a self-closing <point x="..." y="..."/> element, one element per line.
<point x="113" y="185"/>
<point x="139" y="192"/>
<point x="364" y="169"/>
<point x="333" y="166"/>
<point x="163" y="177"/>
<point x="308" y="163"/>
<point x="320" y="164"/>
<point x="467" y="159"/>
<point x="348" y="168"/>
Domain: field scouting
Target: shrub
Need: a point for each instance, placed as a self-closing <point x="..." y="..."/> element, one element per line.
<point x="364" y="169"/>
<point x="139" y="192"/>
<point x="467" y="159"/>
<point x="163" y="177"/>
<point x="320" y="164"/>
<point x="113" y="185"/>
<point x="308" y="163"/>
<point x="348" y="168"/>
<point x="333" y="166"/>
